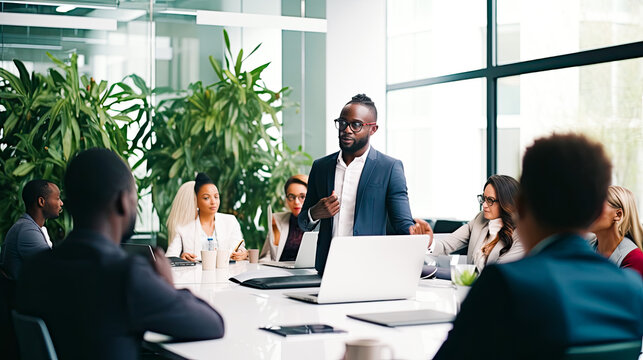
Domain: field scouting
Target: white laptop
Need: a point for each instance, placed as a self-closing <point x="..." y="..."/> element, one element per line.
<point x="370" y="268"/>
<point x="305" y="256"/>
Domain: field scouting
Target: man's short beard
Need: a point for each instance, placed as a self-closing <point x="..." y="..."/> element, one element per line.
<point x="357" y="145"/>
<point x="130" y="229"/>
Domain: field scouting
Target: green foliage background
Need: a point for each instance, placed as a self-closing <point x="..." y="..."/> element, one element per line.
<point x="220" y="129"/>
<point x="47" y="118"/>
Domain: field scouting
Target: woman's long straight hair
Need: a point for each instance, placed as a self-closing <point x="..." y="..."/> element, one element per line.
<point x="183" y="210"/>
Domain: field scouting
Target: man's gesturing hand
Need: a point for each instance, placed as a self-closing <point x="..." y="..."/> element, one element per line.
<point x="326" y="207"/>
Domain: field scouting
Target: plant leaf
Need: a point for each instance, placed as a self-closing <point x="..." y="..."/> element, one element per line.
<point x="24" y="75"/>
<point x="237" y="65"/>
<point x="23" y="169"/>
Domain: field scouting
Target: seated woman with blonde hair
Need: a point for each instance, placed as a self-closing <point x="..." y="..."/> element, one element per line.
<point x="205" y="228"/>
<point x="618" y="231"/>
<point x="286" y="234"/>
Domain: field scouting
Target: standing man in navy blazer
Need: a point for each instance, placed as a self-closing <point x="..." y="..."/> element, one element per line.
<point x="563" y="293"/>
<point x="354" y="191"/>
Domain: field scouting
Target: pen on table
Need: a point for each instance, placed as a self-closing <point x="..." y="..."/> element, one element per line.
<point x="238" y="246"/>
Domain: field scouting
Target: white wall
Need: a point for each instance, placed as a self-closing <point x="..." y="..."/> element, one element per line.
<point x="355" y="61"/>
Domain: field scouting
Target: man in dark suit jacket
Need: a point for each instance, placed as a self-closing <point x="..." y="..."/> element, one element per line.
<point x="354" y="191"/>
<point x="562" y="293"/>
<point x="26" y="237"/>
<point x="95" y="300"/>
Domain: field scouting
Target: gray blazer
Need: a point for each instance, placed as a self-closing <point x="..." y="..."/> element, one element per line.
<point x="23" y="240"/>
<point x="473" y="234"/>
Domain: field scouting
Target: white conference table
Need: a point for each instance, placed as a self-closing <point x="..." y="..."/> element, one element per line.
<point x="244" y="310"/>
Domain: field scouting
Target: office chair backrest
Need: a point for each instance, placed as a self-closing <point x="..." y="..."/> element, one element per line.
<point x="33" y="338"/>
<point x="447" y="226"/>
<point x="8" y="341"/>
<point x="627" y="350"/>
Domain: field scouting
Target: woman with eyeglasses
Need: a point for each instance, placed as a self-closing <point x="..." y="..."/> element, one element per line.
<point x="619" y="233"/>
<point x="491" y="236"/>
<point x="282" y="243"/>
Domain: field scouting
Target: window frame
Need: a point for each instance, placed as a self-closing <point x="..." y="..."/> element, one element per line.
<point x="492" y="72"/>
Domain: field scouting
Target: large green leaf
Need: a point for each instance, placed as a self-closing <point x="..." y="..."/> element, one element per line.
<point x="23" y="169"/>
<point x="24" y="75"/>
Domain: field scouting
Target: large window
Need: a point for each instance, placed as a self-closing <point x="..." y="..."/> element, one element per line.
<point x="440" y="133"/>
<point x="540" y="67"/>
<point x="534" y="29"/>
<point x="603" y="101"/>
<point x="430" y="38"/>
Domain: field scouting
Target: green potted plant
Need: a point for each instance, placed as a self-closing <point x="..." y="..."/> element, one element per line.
<point x="223" y="129"/>
<point x="462" y="276"/>
<point x="47" y="118"/>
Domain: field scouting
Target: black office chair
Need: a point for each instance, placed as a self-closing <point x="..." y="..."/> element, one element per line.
<point x="447" y="226"/>
<point x="8" y="341"/>
<point x="33" y="338"/>
<point x="627" y="350"/>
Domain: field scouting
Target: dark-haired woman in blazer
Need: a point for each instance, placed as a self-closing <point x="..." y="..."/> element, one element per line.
<point x="491" y="236"/>
<point x="208" y="229"/>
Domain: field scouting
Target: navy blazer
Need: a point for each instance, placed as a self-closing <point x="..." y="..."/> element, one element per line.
<point x="97" y="301"/>
<point x="534" y="308"/>
<point x="381" y="195"/>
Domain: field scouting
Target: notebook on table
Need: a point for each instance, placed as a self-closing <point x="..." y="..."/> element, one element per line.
<point x="278" y="278"/>
<point x="386" y="268"/>
<point x="305" y="255"/>
<point x="405" y="318"/>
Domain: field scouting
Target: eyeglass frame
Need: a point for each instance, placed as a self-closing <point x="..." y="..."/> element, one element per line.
<point x="349" y="123"/>
<point x="295" y="197"/>
<point x="485" y="199"/>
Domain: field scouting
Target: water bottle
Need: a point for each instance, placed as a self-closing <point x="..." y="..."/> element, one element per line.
<point x="210" y="244"/>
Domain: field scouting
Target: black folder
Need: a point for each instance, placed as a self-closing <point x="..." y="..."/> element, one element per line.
<point x="282" y="282"/>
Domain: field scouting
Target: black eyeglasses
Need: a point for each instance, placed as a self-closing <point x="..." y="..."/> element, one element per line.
<point x="292" y="197"/>
<point x="356" y="126"/>
<point x="487" y="199"/>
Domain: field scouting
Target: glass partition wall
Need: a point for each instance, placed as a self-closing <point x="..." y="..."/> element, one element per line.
<point x="471" y="84"/>
<point x="168" y="44"/>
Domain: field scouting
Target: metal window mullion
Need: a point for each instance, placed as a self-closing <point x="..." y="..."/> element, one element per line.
<point x="492" y="89"/>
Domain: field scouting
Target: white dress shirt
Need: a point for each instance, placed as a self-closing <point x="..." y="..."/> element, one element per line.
<point x="46" y="235"/>
<point x="346" y="184"/>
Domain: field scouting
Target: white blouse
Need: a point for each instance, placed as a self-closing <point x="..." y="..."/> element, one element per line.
<point x="191" y="238"/>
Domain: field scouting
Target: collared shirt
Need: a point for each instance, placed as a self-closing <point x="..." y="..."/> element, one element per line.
<point x="46" y="234"/>
<point x="346" y="184"/>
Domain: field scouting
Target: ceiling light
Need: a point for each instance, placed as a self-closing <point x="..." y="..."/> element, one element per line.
<point x="222" y="18"/>
<point x="65" y="8"/>
<point x="58" y="21"/>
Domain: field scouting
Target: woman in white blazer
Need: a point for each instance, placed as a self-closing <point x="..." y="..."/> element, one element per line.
<point x="282" y="242"/>
<point x="209" y="230"/>
<point x="491" y="236"/>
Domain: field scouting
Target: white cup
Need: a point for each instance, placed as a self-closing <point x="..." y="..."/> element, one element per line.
<point x="223" y="258"/>
<point x="253" y="256"/>
<point x="366" y="349"/>
<point x="208" y="259"/>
